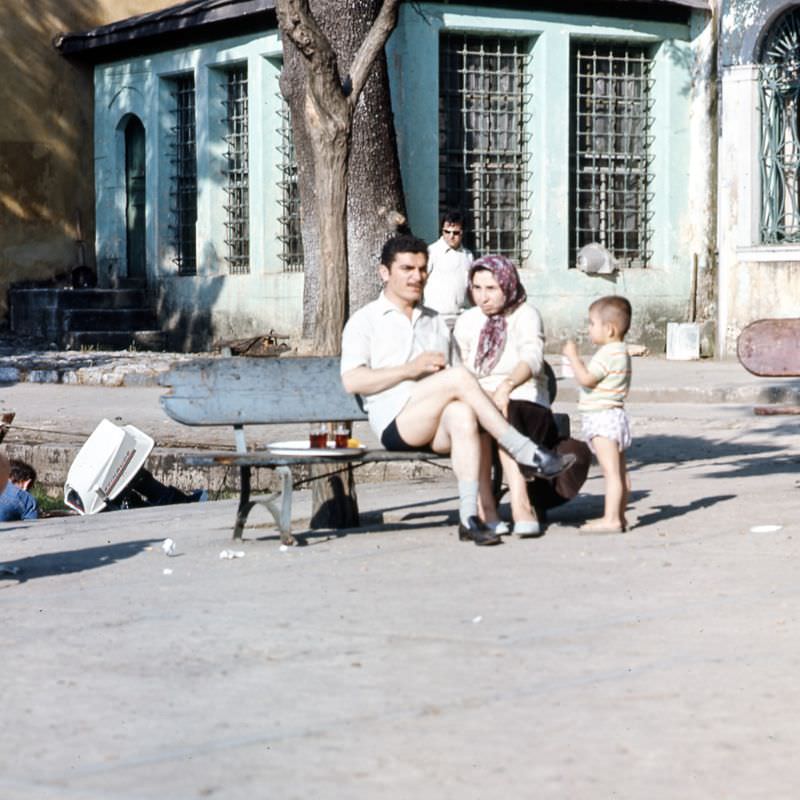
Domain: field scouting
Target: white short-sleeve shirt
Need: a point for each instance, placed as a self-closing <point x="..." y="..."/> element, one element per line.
<point x="448" y="276"/>
<point x="380" y="335"/>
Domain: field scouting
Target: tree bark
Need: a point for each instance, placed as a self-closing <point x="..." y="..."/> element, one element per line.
<point x="375" y="203"/>
<point x="324" y="76"/>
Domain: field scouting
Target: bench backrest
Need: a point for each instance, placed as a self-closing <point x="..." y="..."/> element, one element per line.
<point x="257" y="391"/>
<point x="262" y="391"/>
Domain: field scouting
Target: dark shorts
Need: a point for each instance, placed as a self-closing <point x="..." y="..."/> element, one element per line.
<point x="392" y="440"/>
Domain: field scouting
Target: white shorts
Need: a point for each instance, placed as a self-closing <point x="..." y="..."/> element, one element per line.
<point x="611" y="423"/>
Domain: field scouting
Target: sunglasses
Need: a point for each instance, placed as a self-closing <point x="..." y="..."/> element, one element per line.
<point x="451" y="232"/>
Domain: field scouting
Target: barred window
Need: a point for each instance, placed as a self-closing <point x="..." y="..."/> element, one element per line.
<point x="779" y="88"/>
<point x="290" y="237"/>
<point x="183" y="178"/>
<point x="483" y="145"/>
<point x="611" y="146"/>
<point x="237" y="176"/>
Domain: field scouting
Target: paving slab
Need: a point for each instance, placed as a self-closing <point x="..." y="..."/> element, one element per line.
<point x="395" y="661"/>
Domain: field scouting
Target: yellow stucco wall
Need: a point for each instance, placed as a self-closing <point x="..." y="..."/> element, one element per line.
<point x="46" y="177"/>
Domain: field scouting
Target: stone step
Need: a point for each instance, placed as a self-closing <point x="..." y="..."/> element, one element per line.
<point x="116" y="340"/>
<point x="35" y="298"/>
<point x="108" y="319"/>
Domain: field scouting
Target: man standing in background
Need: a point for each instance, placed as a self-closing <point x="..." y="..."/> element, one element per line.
<point x="448" y="269"/>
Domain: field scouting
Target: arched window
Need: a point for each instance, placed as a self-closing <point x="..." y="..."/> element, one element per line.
<point x="780" y="130"/>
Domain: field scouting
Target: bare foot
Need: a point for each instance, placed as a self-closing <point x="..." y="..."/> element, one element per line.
<point x="602" y="526"/>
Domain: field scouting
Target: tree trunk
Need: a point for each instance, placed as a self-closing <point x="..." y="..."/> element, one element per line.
<point x="375" y="195"/>
<point x="336" y="60"/>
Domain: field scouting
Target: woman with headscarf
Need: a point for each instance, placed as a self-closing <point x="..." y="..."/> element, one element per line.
<point x="501" y="340"/>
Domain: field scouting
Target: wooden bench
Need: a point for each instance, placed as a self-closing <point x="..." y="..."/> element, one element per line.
<point x="241" y="392"/>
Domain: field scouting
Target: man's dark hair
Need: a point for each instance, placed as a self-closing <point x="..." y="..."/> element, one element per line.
<point x="21" y="471"/>
<point x="452" y="215"/>
<point x="404" y="243"/>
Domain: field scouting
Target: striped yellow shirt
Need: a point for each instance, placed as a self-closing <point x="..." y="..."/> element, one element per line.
<point x="611" y="365"/>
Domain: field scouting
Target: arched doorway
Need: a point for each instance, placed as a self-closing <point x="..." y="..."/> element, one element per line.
<point x="135" y="197"/>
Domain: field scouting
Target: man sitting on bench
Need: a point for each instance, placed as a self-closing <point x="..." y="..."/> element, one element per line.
<point x="396" y="354"/>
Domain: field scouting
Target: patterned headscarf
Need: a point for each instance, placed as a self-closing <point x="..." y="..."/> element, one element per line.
<point x="492" y="338"/>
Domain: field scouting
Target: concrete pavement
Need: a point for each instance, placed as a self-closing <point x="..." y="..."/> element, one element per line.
<point x="396" y="662"/>
<point x="54" y="419"/>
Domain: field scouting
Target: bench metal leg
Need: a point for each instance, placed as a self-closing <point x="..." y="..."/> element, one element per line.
<point x="283" y="518"/>
<point x="282" y="515"/>
<point x="245" y="504"/>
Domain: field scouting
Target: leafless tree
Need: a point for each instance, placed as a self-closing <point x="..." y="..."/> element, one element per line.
<point x="349" y="178"/>
<point x="333" y="54"/>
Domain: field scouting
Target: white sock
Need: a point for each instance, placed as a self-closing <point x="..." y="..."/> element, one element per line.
<point x="467" y="500"/>
<point x="519" y="447"/>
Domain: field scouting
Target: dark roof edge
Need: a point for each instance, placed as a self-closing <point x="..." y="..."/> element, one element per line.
<point x="699" y="5"/>
<point x="207" y="19"/>
<point x="194" y="16"/>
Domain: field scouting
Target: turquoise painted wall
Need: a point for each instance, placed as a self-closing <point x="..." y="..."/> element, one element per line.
<point x="659" y="293"/>
<point x="238" y="305"/>
<point x="213" y="303"/>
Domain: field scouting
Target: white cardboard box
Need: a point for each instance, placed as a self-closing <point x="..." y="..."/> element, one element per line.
<point x="683" y="341"/>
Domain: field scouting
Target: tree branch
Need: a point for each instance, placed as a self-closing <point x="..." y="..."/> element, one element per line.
<point x="372" y="45"/>
<point x="299" y="26"/>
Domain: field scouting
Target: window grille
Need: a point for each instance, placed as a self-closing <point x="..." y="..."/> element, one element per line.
<point x="237" y="177"/>
<point x="290" y="233"/>
<point x="484" y="100"/>
<point x="611" y="151"/>
<point x="779" y="89"/>
<point x="183" y="183"/>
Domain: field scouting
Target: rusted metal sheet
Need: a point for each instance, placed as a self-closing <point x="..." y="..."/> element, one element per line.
<point x="775" y="411"/>
<point x="771" y="348"/>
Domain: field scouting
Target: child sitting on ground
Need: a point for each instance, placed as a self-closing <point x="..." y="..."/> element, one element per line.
<point x="604" y="385"/>
<point x="16" y="501"/>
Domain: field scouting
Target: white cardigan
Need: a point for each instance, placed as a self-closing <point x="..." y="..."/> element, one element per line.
<point x="524" y="342"/>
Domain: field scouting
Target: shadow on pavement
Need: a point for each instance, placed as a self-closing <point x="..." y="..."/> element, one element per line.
<point x="760" y="466"/>
<point x="67" y="561"/>
<point x="667" y="448"/>
<point x="371" y="523"/>
<point x="669" y="511"/>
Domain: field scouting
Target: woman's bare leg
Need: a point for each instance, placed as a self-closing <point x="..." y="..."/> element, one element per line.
<point x="487" y="504"/>
<point x="521" y="509"/>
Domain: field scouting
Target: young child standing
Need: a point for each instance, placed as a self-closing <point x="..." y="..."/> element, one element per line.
<point x="604" y="385"/>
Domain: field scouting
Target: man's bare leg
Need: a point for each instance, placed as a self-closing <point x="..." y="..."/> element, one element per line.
<point x="459" y="435"/>
<point x="419" y="420"/>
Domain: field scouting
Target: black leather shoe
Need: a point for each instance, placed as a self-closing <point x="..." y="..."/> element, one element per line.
<point x="476" y="531"/>
<point x="548" y="465"/>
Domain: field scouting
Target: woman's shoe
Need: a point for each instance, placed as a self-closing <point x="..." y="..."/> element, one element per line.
<point x="499" y="527"/>
<point x="528" y="529"/>
<point x="476" y="531"/>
